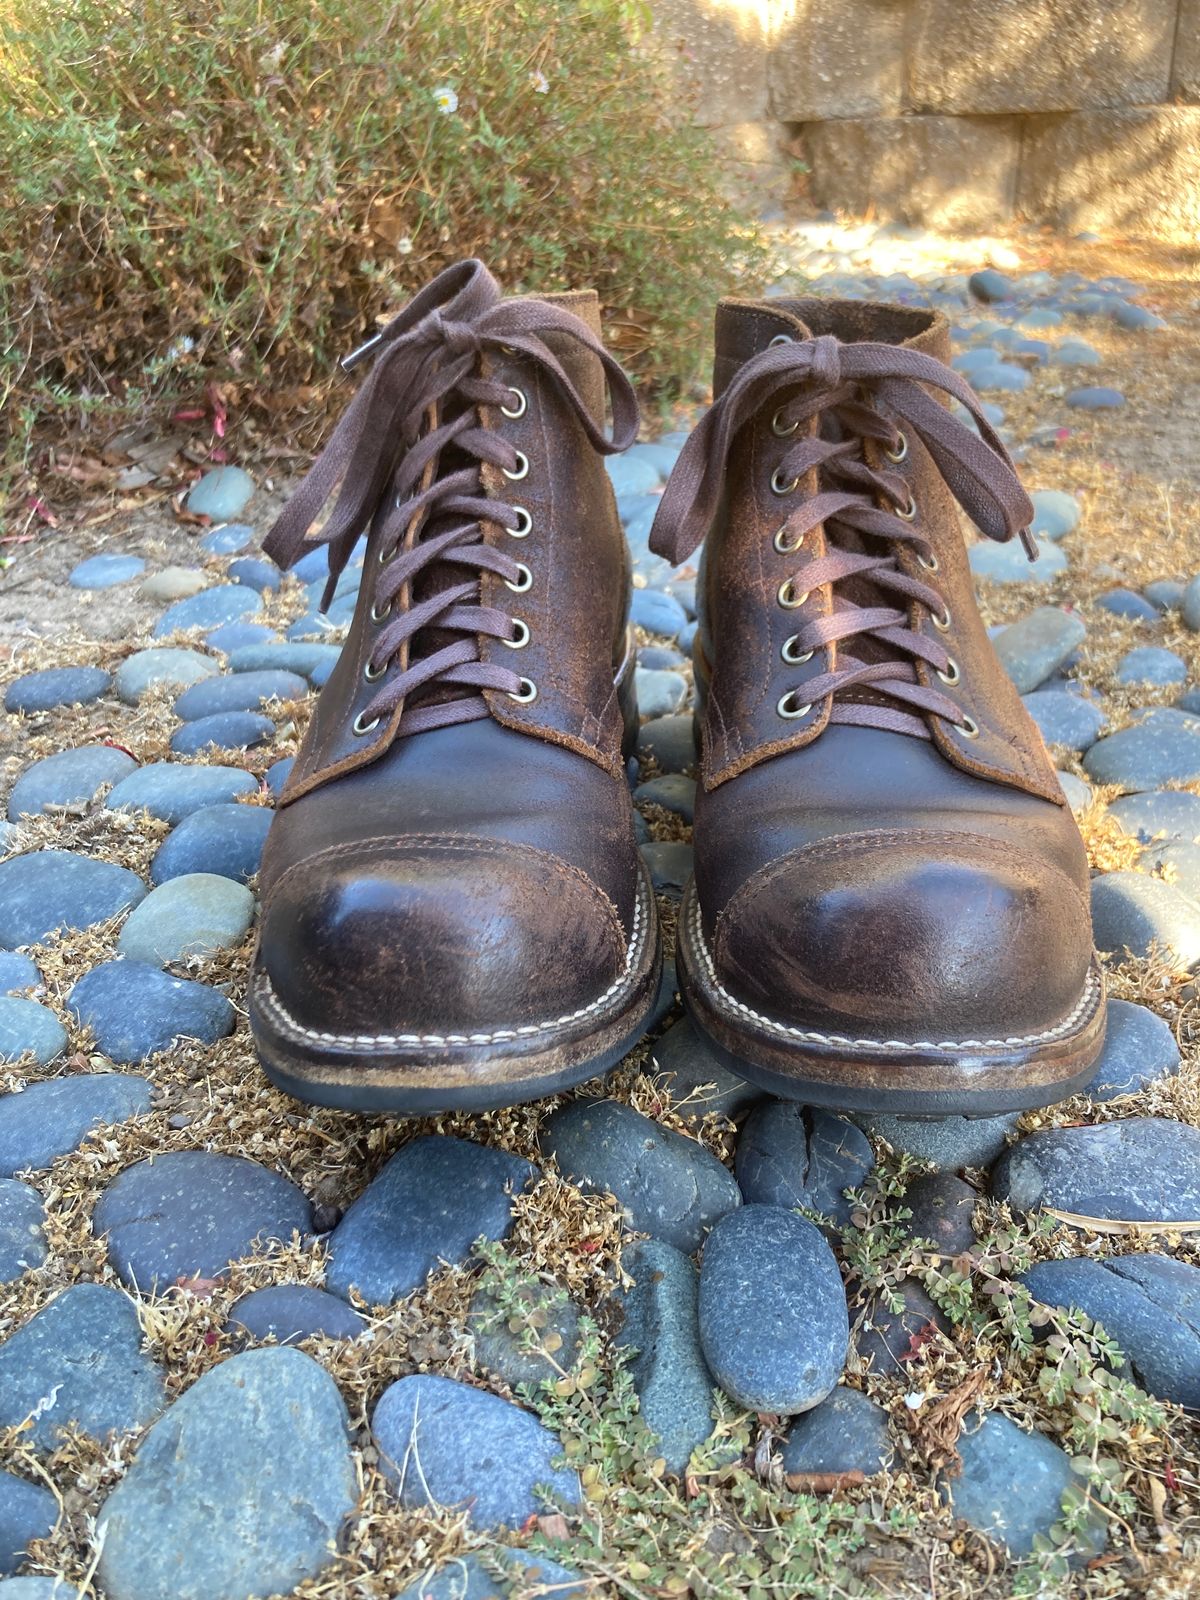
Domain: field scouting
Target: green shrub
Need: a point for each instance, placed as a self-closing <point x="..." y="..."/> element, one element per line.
<point x="239" y="187"/>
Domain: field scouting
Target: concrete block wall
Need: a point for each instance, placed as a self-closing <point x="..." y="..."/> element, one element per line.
<point x="958" y="113"/>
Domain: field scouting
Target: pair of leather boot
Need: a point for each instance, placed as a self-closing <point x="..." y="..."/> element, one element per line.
<point x="890" y="902"/>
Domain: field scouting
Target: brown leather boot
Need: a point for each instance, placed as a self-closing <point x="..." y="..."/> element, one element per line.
<point x="890" y="903"/>
<point x="454" y="910"/>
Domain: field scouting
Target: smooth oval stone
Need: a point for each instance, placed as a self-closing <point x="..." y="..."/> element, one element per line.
<point x="1169" y="815"/>
<point x="990" y="285"/>
<point x="1139" y="1049"/>
<point x="670" y="741"/>
<point x="1136" y="318"/>
<point x="221" y="493"/>
<point x="190" y="1213"/>
<point x="467" y="1578"/>
<point x="105" y="571"/>
<point x="697" y="1082"/>
<point x="147" y="669"/>
<point x="666" y="1185"/>
<point x="997" y="1456"/>
<point x="947" y="1143"/>
<point x="227" y="602"/>
<point x="773" y="1321"/>
<point x="48" y="1119"/>
<point x="46" y="890"/>
<point x="660" y="658"/>
<point x="17" y="972"/>
<point x="252" y="573"/>
<point x="29" y="1029"/>
<point x="976" y="360"/>
<point x="277" y="775"/>
<point x="533" y="1336"/>
<point x="27" y="1512"/>
<point x="22" y="1234"/>
<point x="1190" y="605"/>
<point x="193" y="915"/>
<point x="1034" y="648"/>
<point x="278" y="656"/>
<point x="1153" y="665"/>
<point x="288" y="1312"/>
<point x="226" y="839"/>
<point x="1128" y="603"/>
<point x="673" y="792"/>
<point x="1075" y="353"/>
<point x="1145" y="1169"/>
<point x="134" y="1010"/>
<point x="1078" y="793"/>
<point x="85" y="1348"/>
<point x="1055" y="513"/>
<point x="226" y="541"/>
<point x="1008" y="563"/>
<point x="243" y="1487"/>
<point x="847" y="1432"/>
<point x="661" y="1337"/>
<point x="432" y="1201"/>
<point x="56" y="686"/>
<point x="800" y="1158"/>
<point x="228" y="730"/>
<point x="1065" y="719"/>
<point x="1164" y="747"/>
<point x="658" y="613"/>
<point x="241" y="691"/>
<point x="1165" y="594"/>
<point x="1149" y="1304"/>
<point x="1135" y="913"/>
<point x="231" y="636"/>
<point x="1003" y="375"/>
<point x="478" y="1453"/>
<point x="942" y="1210"/>
<point x="632" y="474"/>
<point x="670" y="865"/>
<point x="1096" y="399"/>
<point x="174" y="583"/>
<point x="172" y="790"/>
<point x="891" y="1328"/>
<point x="659" y="694"/>
<point x="69" y="778"/>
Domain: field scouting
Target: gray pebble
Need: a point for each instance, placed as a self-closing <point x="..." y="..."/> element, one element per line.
<point x="657" y="612"/>
<point x="943" y="1211"/>
<point x="226" y="839"/>
<point x="45" y="890"/>
<point x="304" y="660"/>
<point x="228" y="730"/>
<point x="800" y="1158"/>
<point x="1064" y="719"/>
<point x="193" y="915"/>
<point x="1008" y="563"/>
<point x="17" y="973"/>
<point x="1078" y="793"/>
<point x="221" y="493"/>
<point x="54" y="687"/>
<point x="288" y="1312"/>
<point x="68" y="778"/>
<point x="670" y="741"/>
<point x="1033" y="649"/>
<point x="1096" y="399"/>
<point x="1165" y="594"/>
<point x="148" y="669"/>
<point x="847" y="1432"/>
<point x="659" y="694"/>
<point x="50" y="1118"/>
<point x="240" y="691"/>
<point x="134" y="1010"/>
<point x="535" y="1340"/>
<point x="1055" y="513"/>
<point x="27" y="1512"/>
<point x="1169" y="815"/>
<point x="1128" y="603"/>
<point x="1139" y="1049"/>
<point x="22" y="1230"/>
<point x="891" y="1328"/>
<point x="948" y="1143"/>
<point x="174" y="583"/>
<point x="1145" y="1169"/>
<point x="29" y="1029"/>
<point x="1163" y="747"/>
<point x="1135" y="913"/>
<point x="172" y="790"/>
<point x="226" y="541"/>
<point x="670" y="866"/>
<point x="696" y="1081"/>
<point x="673" y="792"/>
<point x="1153" y="665"/>
<point x="227" y="602"/>
<point x="105" y="571"/>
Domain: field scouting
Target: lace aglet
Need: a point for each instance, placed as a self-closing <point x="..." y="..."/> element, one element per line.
<point x="357" y="357"/>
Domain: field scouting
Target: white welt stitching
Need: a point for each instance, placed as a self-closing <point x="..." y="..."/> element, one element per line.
<point x="1087" y="1003"/>
<point x="288" y="1024"/>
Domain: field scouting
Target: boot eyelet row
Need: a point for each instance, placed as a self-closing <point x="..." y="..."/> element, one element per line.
<point x="952" y="675"/>
<point x="522" y="638"/>
<point x="790" y="655"/>
<point x="942" y="623"/>
<point x="373" y="674"/>
<point x="780" y="429"/>
<point x="521" y="406"/>
<point x="900" y="453"/>
<point x="782" y="486"/>
<point x="521" y="470"/>
<point x="788" y="598"/>
<point x="526" y="694"/>
<point x="781" y="544"/>
<point x="524" y="525"/>
<point x="908" y="513"/>
<point x="788" y="707"/>
<point x="379" y="614"/>
<point x="360" y="727"/>
<point x="523" y="581"/>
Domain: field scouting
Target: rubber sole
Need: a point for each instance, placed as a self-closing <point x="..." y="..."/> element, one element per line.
<point x="938" y="1078"/>
<point x="416" y="1076"/>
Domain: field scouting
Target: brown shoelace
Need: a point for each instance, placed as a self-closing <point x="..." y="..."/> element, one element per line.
<point x="851" y="381"/>
<point x="389" y="458"/>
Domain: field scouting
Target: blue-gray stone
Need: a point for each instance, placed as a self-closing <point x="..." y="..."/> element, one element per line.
<point x="172" y="790"/>
<point x="1039" y="317"/>
<point x="997" y="1457"/>
<point x="1151" y="664"/>
<point x="68" y="778"/>
<point x="1034" y="647"/>
<point x="288" y="1312"/>
<point x="50" y="1118"/>
<point x="1065" y="719"/>
<point x="147" y="669"/>
<point x="231" y="636"/>
<point x="226" y="540"/>
<point x="310" y="627"/>
<point x="56" y="686"/>
<point x="670" y="865"/>
<point x="660" y="658"/>
<point x="1008" y="563"/>
<point x="659" y="694"/>
<point x="193" y="915"/>
<point x="773" y="1321"/>
<point x="1172" y="815"/>
<point x="1075" y="353"/>
<point x="698" y="1083"/>
<point x="472" y="1578"/>
<point x="105" y="571"/>
<point x="1149" y="1304"/>
<point x="227" y="602"/>
<point x="279" y="656"/>
<point x="534" y="1335"/>
<point x="477" y="1452"/>
<point x="1165" y="594"/>
<point x="891" y="1327"/>
<point x="432" y="1201"/>
<point x="49" y="889"/>
<point x="660" y="1332"/>
<point x="1128" y="603"/>
<point x="27" y="1512"/>
<point x="1078" y="793"/>
<point x="243" y="1487"/>
<point x="990" y="285"/>
<point x="847" y="1432"/>
<point x="1162" y="747"/>
<point x="29" y="1029"/>
<point x="948" y="1144"/>
<point x="672" y="792"/>
<point x="667" y="1185"/>
<point x="134" y="1010"/>
<point x="1145" y="1169"/>
<point x="17" y="972"/>
<point x="240" y="691"/>
<point x="190" y="1213"/>
<point x="1003" y="375"/>
<point x="1037" y="349"/>
<point x="322" y="672"/>
<point x="632" y="474"/>
<point x="278" y="773"/>
<point x="1055" y="513"/>
<point x="978" y="359"/>
<point x="227" y="730"/>
<point x="1190" y="605"/>
<point x="313" y="564"/>
<point x="1136" y="913"/>
<point x="942" y="1210"/>
<point x="670" y="741"/>
<point x="1179" y="864"/>
<point x="1139" y="1049"/>
<point x="1096" y="399"/>
<point x="1136" y="318"/>
<point x="22" y="1233"/>
<point x="253" y="573"/>
<point x="657" y="612"/>
<point x="227" y="839"/>
<point x="221" y="493"/>
<point x="84" y="1349"/>
<point x="802" y="1159"/>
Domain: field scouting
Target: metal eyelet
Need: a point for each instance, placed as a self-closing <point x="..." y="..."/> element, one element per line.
<point x="521" y="406"/>
<point x="373" y="674"/>
<point x="781" y="338"/>
<point x="378" y="616"/>
<point x="386" y="555"/>
<point x="930" y="563"/>
<point x="907" y="513"/>
<point x="968" y="727"/>
<point x="782" y="432"/>
<point x="522" y="638"/>
<point x="360" y="727"/>
<point x="524" y="525"/>
<point x="782" y="546"/>
<point x="952" y="675"/>
<point x="787" y="596"/>
<point x="789" y="654"/>
<point x="787" y="706"/>
<point x="526" y="693"/>
<point x="525" y="581"/>
<point x="778" y="486"/>
<point x="900" y="453"/>
<point x="521" y="469"/>
<point x="942" y="623"/>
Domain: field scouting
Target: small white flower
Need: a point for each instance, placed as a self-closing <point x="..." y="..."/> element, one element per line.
<point x="540" y="82"/>
<point x="446" y="100"/>
<point x="404" y="246"/>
